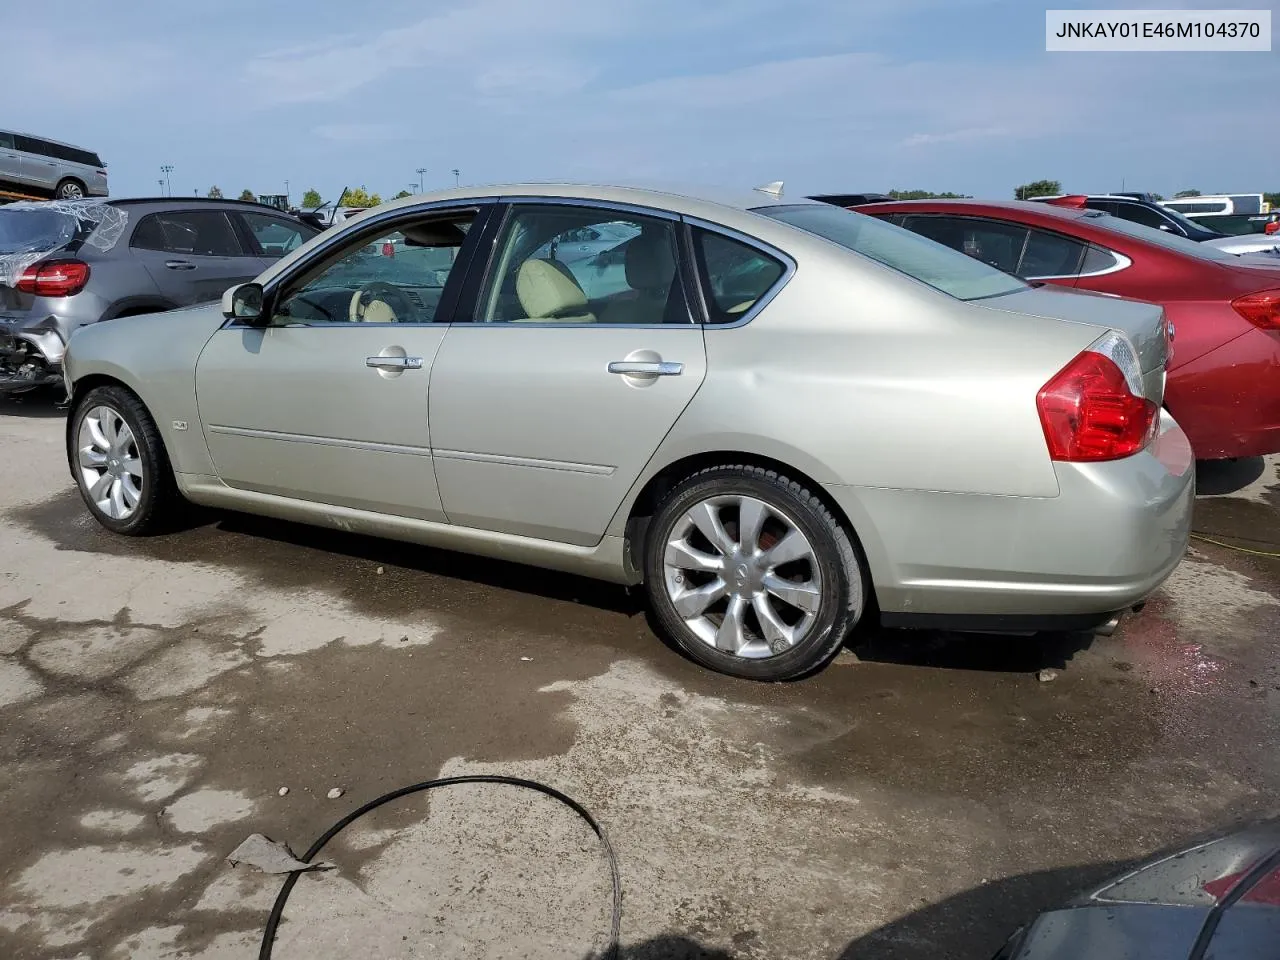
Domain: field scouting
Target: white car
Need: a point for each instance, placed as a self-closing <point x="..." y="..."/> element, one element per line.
<point x="1266" y="244"/>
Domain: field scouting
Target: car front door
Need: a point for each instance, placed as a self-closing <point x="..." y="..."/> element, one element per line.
<point x="328" y="401"/>
<point x="192" y="255"/>
<point x="548" y="403"/>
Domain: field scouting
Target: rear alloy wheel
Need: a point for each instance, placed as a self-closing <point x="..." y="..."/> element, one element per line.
<point x="69" y="190"/>
<point x="751" y="575"/>
<point x="119" y="462"/>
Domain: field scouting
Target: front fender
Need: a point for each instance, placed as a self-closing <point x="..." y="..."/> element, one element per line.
<point x="154" y="355"/>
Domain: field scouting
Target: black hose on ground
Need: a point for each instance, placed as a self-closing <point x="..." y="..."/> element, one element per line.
<point x="611" y="952"/>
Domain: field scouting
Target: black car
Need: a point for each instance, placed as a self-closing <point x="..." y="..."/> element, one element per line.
<point x="1143" y="211"/>
<point x="850" y="199"/>
<point x="1215" y="901"/>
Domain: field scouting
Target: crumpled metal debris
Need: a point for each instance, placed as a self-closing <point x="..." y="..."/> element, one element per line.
<point x="271" y="857"/>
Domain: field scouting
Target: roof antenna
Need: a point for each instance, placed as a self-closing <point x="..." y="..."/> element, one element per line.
<point x="772" y="189"/>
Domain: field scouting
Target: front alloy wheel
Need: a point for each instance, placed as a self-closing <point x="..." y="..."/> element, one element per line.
<point x="111" y="471"/>
<point x="749" y="573"/>
<point x="119" y="462"/>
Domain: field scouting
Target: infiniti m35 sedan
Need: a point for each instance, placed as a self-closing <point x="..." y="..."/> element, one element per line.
<point x="780" y="417"/>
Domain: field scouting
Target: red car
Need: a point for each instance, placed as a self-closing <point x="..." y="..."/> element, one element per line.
<point x="1224" y="311"/>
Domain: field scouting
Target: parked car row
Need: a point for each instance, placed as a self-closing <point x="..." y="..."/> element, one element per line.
<point x="64" y="264"/>
<point x="1223" y="311"/>
<point x="781" y="418"/>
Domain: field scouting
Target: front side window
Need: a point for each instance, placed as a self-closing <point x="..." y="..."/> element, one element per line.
<point x="395" y="276"/>
<point x="571" y="264"/>
<point x="935" y="264"/>
<point x="276" y="236"/>
<point x="735" y="275"/>
<point x="6" y="141"/>
<point x="196" y="233"/>
<point x="1137" y="213"/>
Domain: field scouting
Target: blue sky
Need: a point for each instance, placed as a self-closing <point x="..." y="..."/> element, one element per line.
<point x="854" y="95"/>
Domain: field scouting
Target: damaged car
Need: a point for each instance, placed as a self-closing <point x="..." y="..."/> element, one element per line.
<point x="65" y="264"/>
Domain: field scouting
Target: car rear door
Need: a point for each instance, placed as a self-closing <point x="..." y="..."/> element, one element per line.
<point x="193" y="256"/>
<point x="552" y="392"/>
<point x="12" y="167"/>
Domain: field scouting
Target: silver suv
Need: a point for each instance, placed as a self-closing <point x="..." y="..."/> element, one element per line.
<point x="41" y="166"/>
<point x="64" y="264"/>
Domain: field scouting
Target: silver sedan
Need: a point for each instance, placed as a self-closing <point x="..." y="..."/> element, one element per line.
<point x="781" y="417"/>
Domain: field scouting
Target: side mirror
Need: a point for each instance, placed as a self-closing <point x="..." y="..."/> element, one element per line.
<point x="244" y="302"/>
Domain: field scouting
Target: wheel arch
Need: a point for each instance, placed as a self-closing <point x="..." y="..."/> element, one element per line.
<point x="647" y="501"/>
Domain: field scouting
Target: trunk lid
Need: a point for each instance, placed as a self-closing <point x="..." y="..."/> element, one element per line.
<point x="1143" y="323"/>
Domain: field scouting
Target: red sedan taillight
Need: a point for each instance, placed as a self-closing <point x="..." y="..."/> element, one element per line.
<point x="1093" y="408"/>
<point x="1261" y="309"/>
<point x="54" y="278"/>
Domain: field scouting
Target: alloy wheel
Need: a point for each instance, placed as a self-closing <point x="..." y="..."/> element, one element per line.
<point x="742" y="576"/>
<point x="111" y="470"/>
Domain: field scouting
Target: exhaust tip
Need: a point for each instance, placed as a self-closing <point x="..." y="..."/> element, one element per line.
<point x="1108" y="628"/>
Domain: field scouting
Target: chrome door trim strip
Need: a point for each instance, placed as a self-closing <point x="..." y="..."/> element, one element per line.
<point x="595" y="469"/>
<point x="322" y="441"/>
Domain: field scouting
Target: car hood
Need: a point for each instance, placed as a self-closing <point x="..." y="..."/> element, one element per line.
<point x="1143" y="323"/>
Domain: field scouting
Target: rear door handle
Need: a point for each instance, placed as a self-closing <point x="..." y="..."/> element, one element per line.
<point x="394" y="363"/>
<point x="179" y="265"/>
<point x="657" y="368"/>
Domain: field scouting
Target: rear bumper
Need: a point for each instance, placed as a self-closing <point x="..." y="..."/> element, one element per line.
<point x="30" y="359"/>
<point x="1113" y="534"/>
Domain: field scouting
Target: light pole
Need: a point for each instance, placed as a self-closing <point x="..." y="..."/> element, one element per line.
<point x="166" y="170"/>
<point x="421" y="171"/>
<point x="455" y="177"/>
<point x="286" y="193"/>
<point x="161" y="182"/>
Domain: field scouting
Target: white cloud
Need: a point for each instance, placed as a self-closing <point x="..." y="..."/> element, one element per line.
<point x="952" y="136"/>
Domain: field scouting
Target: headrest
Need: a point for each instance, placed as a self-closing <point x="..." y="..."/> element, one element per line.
<point x="650" y="262"/>
<point x="546" y="288"/>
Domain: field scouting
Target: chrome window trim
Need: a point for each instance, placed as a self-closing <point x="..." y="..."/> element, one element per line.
<point x="1122" y="263"/>
<point x="637" y="208"/>
<point x="789" y="268"/>
<point x="341" y="234"/>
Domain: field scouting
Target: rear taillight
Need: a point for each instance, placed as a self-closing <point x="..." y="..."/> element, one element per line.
<point x="1261" y="309"/>
<point x="1093" y="409"/>
<point x="54" y="278"/>
<point x="1272" y="227"/>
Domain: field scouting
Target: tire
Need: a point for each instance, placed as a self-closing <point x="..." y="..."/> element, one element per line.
<point x="822" y="572"/>
<point x="69" y="189"/>
<point x="125" y="500"/>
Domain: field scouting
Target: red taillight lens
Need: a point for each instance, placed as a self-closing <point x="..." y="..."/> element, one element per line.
<point x="55" y="278"/>
<point x="1089" y="412"/>
<point x="1272" y="227"/>
<point x="388" y="249"/>
<point x="1261" y="309"/>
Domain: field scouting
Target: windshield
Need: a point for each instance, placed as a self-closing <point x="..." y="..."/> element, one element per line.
<point x="1161" y="238"/>
<point x="941" y="267"/>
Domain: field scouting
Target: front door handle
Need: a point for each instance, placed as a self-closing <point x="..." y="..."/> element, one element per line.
<point x="649" y="368"/>
<point x="179" y="265"/>
<point x="394" y="363"/>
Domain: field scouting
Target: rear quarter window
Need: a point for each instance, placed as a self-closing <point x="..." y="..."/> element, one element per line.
<point x="734" y="275"/>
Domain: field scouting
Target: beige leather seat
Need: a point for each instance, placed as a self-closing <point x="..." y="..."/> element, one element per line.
<point x="650" y="267"/>
<point x="547" y="291"/>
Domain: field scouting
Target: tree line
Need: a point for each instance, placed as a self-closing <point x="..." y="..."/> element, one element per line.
<point x="358" y="197"/>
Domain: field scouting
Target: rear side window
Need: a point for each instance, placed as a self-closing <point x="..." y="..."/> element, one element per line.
<point x="200" y="233"/>
<point x="276" y="236"/>
<point x="1050" y="255"/>
<point x="56" y="151"/>
<point x="734" y="275"/>
<point x="996" y="244"/>
<point x="1098" y="260"/>
<point x="6" y="141"/>
<point x="941" y="267"/>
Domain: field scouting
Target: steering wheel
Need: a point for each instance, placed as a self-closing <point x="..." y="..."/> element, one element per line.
<point x="379" y="302"/>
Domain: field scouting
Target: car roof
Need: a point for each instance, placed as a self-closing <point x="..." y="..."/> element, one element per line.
<point x="40" y="136"/>
<point x="677" y="197"/>
<point x="192" y="202"/>
<point x="1029" y="209"/>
